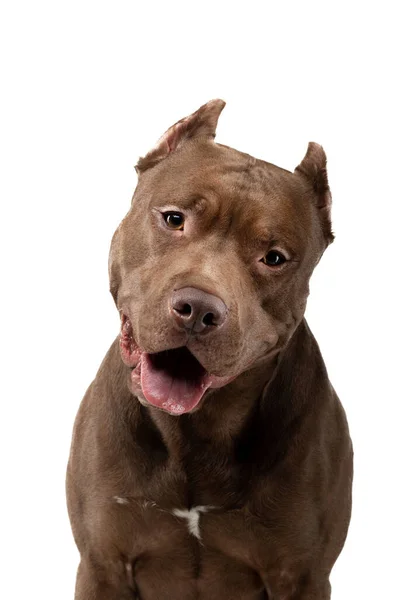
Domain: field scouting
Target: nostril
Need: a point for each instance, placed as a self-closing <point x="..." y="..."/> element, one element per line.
<point x="184" y="310"/>
<point x="209" y="319"/>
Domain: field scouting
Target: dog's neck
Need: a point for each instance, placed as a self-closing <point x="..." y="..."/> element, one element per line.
<point x="271" y="386"/>
<point x="222" y="416"/>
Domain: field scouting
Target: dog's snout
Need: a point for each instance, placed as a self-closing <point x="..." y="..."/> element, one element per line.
<point x="197" y="311"/>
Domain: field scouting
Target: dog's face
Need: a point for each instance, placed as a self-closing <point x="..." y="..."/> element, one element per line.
<point x="210" y="267"/>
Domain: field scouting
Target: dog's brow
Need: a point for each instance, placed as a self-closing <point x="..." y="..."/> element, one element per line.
<point x="273" y="240"/>
<point x="269" y="237"/>
<point x="196" y="203"/>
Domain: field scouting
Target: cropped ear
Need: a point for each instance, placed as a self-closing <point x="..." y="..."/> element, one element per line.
<point x="313" y="169"/>
<point x="203" y="122"/>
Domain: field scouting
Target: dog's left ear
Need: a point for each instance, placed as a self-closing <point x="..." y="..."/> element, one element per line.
<point x="313" y="168"/>
<point x="203" y="123"/>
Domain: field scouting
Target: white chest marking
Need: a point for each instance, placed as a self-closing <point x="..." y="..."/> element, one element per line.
<point x="193" y="517"/>
<point x="120" y="500"/>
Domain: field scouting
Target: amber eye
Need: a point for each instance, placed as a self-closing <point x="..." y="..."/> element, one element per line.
<point x="174" y="220"/>
<point x="274" y="258"/>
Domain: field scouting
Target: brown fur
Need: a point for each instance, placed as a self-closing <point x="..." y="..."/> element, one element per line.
<point x="270" y="451"/>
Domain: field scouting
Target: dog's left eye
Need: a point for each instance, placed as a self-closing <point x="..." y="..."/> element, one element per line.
<point x="174" y="220"/>
<point x="274" y="258"/>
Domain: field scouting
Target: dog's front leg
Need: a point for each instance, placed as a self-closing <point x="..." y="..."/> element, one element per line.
<point x="89" y="587"/>
<point x="285" y="588"/>
<point x="313" y="591"/>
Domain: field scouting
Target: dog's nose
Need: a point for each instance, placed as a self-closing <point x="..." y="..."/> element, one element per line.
<point x="197" y="311"/>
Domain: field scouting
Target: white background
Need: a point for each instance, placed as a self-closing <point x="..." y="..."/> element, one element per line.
<point x="88" y="87"/>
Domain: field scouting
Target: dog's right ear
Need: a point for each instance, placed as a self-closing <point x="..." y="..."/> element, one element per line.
<point x="203" y="123"/>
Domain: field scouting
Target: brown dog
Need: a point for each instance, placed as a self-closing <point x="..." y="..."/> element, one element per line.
<point x="211" y="457"/>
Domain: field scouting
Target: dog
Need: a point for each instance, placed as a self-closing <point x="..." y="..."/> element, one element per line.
<point x="211" y="457"/>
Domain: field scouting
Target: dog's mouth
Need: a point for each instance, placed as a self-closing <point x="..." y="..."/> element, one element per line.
<point x="172" y="380"/>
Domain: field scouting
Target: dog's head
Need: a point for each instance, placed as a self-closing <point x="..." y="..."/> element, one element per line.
<point x="210" y="267"/>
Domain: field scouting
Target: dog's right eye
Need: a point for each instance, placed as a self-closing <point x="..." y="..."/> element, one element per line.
<point x="174" y="220"/>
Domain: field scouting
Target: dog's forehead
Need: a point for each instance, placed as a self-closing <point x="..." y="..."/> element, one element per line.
<point x="259" y="194"/>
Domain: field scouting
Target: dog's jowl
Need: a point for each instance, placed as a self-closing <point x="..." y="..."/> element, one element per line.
<point x="211" y="457"/>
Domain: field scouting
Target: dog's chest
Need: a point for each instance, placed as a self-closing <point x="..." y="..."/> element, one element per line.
<point x="211" y="511"/>
<point x="204" y="551"/>
<point x="209" y="501"/>
<point x="161" y="539"/>
<point x="184" y="550"/>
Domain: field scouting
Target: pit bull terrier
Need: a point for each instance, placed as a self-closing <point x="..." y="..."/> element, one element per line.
<point x="211" y="458"/>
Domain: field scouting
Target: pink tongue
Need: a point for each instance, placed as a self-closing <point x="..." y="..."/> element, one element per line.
<point x="173" y="381"/>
